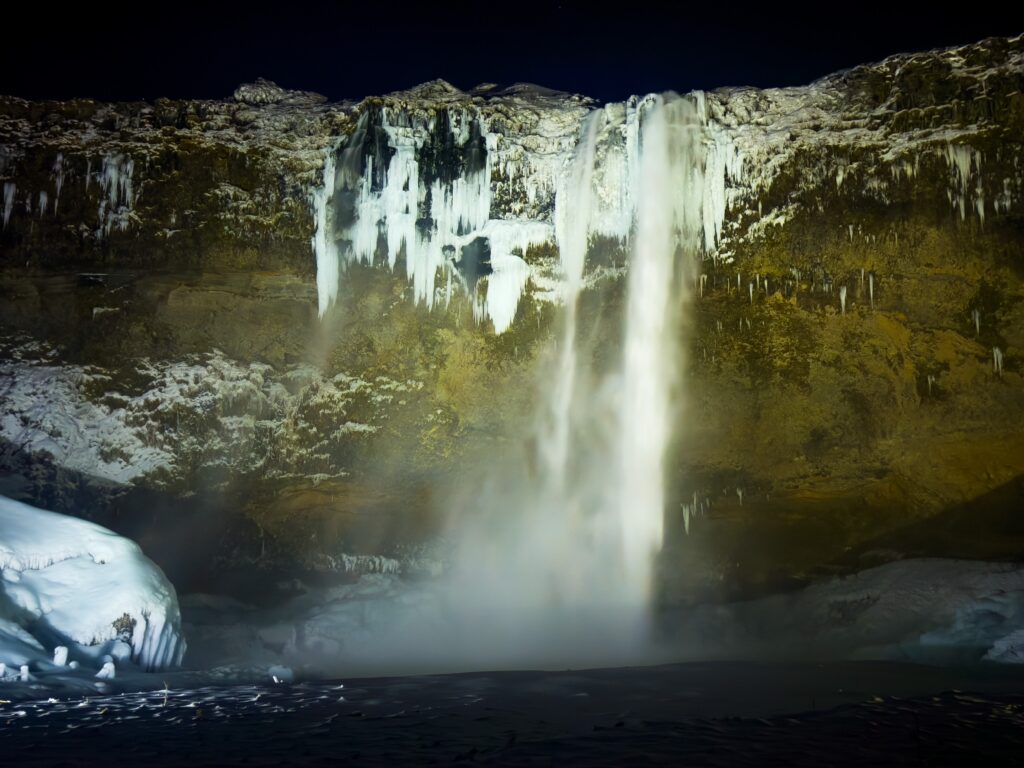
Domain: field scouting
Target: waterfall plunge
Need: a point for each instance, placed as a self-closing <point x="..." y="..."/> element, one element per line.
<point x="554" y="537"/>
<point x="556" y="560"/>
<point x="668" y="227"/>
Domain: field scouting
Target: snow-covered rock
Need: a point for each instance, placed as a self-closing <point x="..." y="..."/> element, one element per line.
<point x="68" y="582"/>
<point x="268" y="92"/>
<point x="927" y="610"/>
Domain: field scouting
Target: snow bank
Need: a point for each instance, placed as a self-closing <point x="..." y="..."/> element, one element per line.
<point x="926" y="610"/>
<point x="65" y="581"/>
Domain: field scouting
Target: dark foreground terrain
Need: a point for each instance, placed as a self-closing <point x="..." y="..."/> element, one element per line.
<point x="719" y="714"/>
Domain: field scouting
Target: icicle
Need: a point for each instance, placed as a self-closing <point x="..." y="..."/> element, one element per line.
<point x="739" y="493"/>
<point x="931" y="382"/>
<point x="842" y="298"/>
<point x="44" y="202"/>
<point x="57" y="172"/>
<point x="997" y="361"/>
<point x="324" y="246"/>
<point x="118" y="194"/>
<point x="703" y="283"/>
<point x="871" y="288"/>
<point x="686" y="518"/>
<point x="9" y="189"/>
<point x="976" y="316"/>
<point x="751" y="289"/>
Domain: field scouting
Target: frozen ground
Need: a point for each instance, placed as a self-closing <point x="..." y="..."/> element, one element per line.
<point x="927" y="611"/>
<point x="76" y="599"/>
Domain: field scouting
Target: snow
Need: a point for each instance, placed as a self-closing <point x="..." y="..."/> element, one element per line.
<point x="69" y="580"/>
<point x="206" y="407"/>
<point x="926" y="610"/>
<point x="264" y="92"/>
<point x="45" y="413"/>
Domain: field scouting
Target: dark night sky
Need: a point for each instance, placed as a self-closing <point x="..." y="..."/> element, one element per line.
<point x="343" y="50"/>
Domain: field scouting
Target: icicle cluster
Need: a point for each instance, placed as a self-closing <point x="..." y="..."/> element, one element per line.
<point x="118" y="195"/>
<point x="385" y="197"/>
<point x="391" y="204"/>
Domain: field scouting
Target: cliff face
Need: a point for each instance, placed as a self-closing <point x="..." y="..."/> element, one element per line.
<point x="854" y="389"/>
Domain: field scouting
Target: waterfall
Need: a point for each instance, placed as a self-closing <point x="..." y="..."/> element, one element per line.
<point x="559" y="549"/>
<point x="572" y="230"/>
<point x="668" y="227"/>
<point x="554" y="536"/>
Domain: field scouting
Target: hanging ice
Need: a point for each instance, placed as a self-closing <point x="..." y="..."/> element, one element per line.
<point x="405" y="185"/>
<point x="9" y="189"/>
<point x="324" y="246"/>
<point x="118" y="194"/>
<point x="57" y="172"/>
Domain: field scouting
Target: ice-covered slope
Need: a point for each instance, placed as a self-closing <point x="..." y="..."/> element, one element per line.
<point x="69" y="582"/>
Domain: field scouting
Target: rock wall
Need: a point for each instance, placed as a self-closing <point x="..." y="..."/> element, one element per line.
<point x="855" y="376"/>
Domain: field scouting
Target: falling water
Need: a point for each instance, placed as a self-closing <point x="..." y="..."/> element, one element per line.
<point x="569" y="545"/>
<point x="572" y="229"/>
<point x="667" y="232"/>
<point x="555" y="538"/>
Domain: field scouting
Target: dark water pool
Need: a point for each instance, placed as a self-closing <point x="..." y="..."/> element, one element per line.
<point x="717" y="714"/>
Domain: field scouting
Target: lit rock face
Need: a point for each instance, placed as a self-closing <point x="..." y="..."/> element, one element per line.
<point x="856" y="371"/>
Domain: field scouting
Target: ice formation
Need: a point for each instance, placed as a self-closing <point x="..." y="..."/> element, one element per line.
<point x="81" y="586"/>
<point x="420" y="187"/>
<point x="118" y="194"/>
<point x="57" y="172"/>
<point x="965" y="167"/>
<point x="451" y="191"/>
<point x="9" y="190"/>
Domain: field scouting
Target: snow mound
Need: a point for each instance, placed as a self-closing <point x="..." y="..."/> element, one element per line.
<point x="65" y="581"/>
